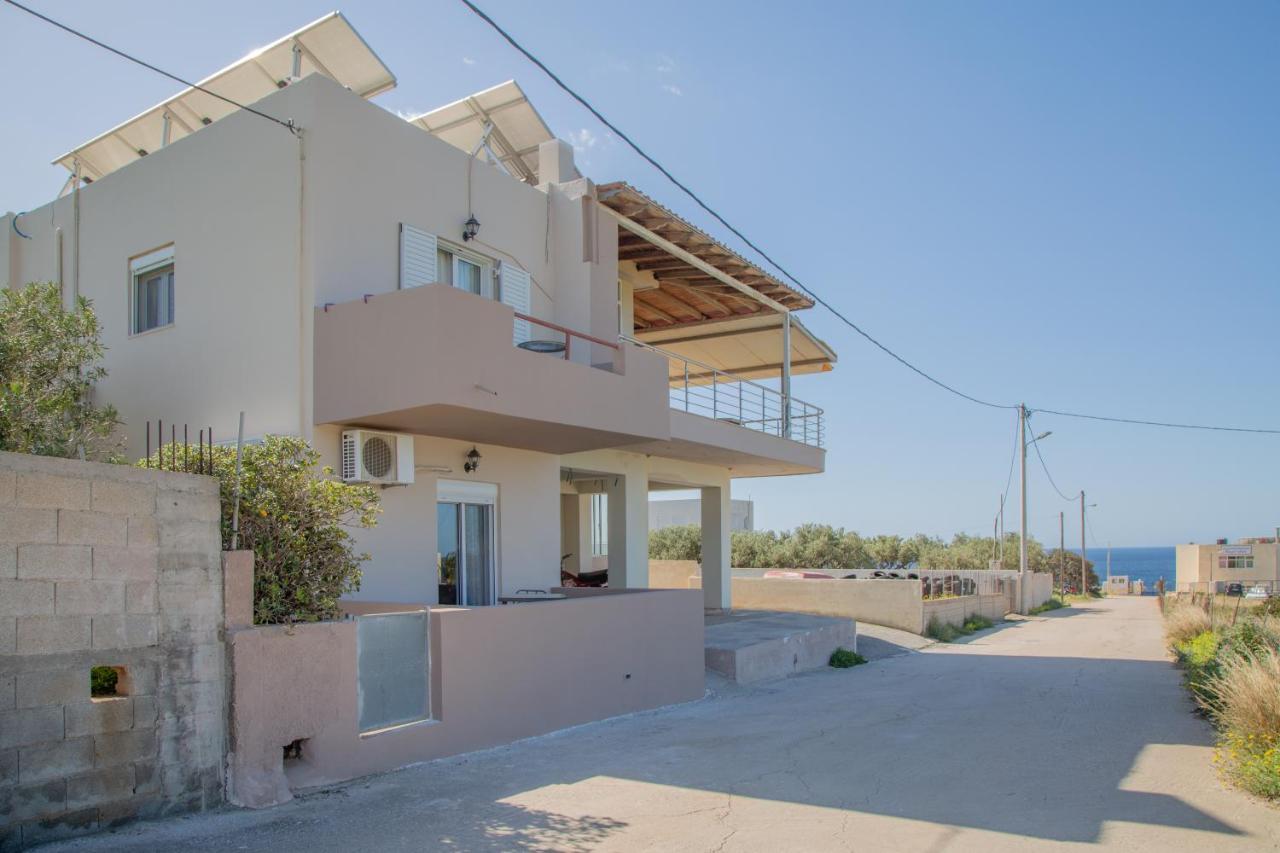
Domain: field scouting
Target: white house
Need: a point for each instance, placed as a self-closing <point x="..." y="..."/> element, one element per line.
<point x="319" y="273"/>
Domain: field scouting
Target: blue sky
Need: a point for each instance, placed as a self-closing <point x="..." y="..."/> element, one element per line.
<point x="1072" y="204"/>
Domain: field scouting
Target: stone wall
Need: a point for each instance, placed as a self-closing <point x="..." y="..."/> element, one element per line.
<point x="107" y="565"/>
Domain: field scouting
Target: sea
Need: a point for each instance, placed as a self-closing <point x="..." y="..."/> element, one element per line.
<point x="1145" y="564"/>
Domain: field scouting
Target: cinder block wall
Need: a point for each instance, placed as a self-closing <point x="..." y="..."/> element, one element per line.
<point x="107" y="565"/>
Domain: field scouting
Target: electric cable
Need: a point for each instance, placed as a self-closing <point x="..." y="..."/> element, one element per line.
<point x="287" y="125"/>
<point x="785" y="272"/>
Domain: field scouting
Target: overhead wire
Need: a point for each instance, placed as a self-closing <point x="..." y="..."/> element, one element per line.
<point x="286" y="124"/>
<point x="716" y="215"/>
<point x="289" y="125"/>
<point x="785" y="272"/>
<point x="1040" y="456"/>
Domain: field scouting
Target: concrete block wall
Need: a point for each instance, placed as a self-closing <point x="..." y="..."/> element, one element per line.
<point x="107" y="565"/>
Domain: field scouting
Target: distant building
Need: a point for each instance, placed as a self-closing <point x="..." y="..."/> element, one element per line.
<point x="675" y="513"/>
<point x="1249" y="562"/>
<point x="1123" y="585"/>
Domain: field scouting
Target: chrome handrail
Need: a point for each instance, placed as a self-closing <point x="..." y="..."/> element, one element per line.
<point x="711" y="392"/>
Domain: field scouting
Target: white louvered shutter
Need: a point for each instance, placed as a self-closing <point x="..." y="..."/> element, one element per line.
<point x="515" y="292"/>
<point x="417" y="257"/>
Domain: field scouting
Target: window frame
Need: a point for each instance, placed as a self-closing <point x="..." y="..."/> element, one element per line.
<point x="143" y="265"/>
<point x="488" y="278"/>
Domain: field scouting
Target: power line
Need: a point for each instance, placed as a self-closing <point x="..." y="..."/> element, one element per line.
<point x="1158" y="423"/>
<point x="1040" y="456"/>
<point x="287" y="125"/>
<point x="785" y="272"/>
<point x="712" y="211"/>
<point x="1008" y="482"/>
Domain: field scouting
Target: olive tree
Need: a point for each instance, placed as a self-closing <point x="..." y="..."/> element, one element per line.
<point x="49" y="363"/>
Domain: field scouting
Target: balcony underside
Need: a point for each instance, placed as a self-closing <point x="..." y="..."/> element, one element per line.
<point x="746" y="452"/>
<point x="486" y="427"/>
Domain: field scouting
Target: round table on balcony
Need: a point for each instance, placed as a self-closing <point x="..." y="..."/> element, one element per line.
<point x="542" y="346"/>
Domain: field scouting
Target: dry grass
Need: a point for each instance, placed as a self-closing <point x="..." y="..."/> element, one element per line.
<point x="1182" y="622"/>
<point x="1247" y="690"/>
<point x="1244" y="697"/>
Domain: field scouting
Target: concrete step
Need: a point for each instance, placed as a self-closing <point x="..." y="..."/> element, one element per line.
<point x="758" y="645"/>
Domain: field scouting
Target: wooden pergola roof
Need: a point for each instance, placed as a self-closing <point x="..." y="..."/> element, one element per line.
<point x="687" y="294"/>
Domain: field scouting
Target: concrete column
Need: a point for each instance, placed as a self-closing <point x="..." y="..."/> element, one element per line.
<point x="575" y="531"/>
<point x="717" y="575"/>
<point x="629" y="529"/>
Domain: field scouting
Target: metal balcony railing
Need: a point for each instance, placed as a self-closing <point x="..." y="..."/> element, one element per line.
<point x="701" y="389"/>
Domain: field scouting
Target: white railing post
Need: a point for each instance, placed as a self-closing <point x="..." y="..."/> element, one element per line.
<point x="786" y="375"/>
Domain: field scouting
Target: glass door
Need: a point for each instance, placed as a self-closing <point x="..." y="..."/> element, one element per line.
<point x="464" y="557"/>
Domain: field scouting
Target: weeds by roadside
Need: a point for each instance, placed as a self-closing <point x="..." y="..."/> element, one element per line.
<point x="1051" y="604"/>
<point x="1233" y="670"/>
<point x="843" y="658"/>
<point x="946" y="632"/>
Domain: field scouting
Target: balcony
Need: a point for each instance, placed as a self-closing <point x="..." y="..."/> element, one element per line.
<point x="437" y="361"/>
<point x="719" y="418"/>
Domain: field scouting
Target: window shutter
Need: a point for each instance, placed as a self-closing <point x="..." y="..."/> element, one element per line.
<point x="417" y="257"/>
<point x="515" y="292"/>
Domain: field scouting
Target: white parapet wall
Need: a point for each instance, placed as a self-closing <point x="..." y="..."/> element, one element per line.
<point x="880" y="601"/>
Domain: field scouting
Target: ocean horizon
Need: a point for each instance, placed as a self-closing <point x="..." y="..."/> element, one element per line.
<point x="1147" y="564"/>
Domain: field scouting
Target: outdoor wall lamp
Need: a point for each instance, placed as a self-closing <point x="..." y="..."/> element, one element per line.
<point x="473" y="461"/>
<point x="470" y="228"/>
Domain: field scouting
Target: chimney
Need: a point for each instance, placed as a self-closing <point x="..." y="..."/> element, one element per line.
<point x="555" y="162"/>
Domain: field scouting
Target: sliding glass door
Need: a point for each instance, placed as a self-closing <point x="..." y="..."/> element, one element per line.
<point x="465" y="552"/>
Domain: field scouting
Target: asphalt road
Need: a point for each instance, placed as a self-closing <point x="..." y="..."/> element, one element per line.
<point x="1059" y="731"/>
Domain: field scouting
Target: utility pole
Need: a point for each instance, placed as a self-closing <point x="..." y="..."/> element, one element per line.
<point x="1062" y="552"/>
<point x="1022" y="545"/>
<point x="1084" y="572"/>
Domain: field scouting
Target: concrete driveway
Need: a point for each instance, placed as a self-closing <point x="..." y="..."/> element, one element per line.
<point x="1058" y="731"/>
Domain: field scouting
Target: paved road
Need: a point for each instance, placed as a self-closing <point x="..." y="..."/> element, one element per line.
<point x="1058" y="731"/>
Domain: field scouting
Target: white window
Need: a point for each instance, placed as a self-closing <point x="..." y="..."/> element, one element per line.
<point x="151" y="288"/>
<point x="465" y="270"/>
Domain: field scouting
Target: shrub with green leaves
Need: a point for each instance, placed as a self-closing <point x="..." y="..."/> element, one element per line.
<point x="679" y="542"/>
<point x="48" y="366"/>
<point x="297" y="519"/>
<point x="843" y="658"/>
<point x="977" y="622"/>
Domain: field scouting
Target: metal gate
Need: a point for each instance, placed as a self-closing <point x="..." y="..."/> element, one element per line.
<point x="392" y="669"/>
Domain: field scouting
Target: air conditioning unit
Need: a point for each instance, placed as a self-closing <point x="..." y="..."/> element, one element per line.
<point x="379" y="458"/>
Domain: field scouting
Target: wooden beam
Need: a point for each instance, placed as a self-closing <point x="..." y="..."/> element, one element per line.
<point x="690" y="296"/>
<point x="693" y="259"/>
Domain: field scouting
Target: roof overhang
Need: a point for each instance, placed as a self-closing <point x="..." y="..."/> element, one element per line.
<point x="328" y="46"/>
<point x="746" y="347"/>
<point x="514" y="128"/>
<point x="694" y="279"/>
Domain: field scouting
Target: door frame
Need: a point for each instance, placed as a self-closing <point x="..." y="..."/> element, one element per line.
<point x="460" y="493"/>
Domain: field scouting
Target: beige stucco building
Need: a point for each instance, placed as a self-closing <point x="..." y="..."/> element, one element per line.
<point x="1249" y="562"/>
<point x="317" y="272"/>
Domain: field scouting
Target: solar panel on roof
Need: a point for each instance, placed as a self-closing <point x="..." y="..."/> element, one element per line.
<point x="517" y="129"/>
<point x="328" y="46"/>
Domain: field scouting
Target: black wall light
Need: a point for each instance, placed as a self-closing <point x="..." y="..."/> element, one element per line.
<point x="473" y="461"/>
<point x="470" y="228"/>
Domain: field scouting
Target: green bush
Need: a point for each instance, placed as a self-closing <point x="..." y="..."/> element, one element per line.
<point x="843" y="658"/>
<point x="680" y="542"/>
<point x="976" y="622"/>
<point x="103" y="681"/>
<point x="943" y="632"/>
<point x="1051" y="604"/>
<point x="48" y="367"/>
<point x="295" y="517"/>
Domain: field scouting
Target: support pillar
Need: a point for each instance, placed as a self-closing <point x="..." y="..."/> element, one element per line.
<point x="717" y="575"/>
<point x="629" y="530"/>
<point x="575" y="532"/>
